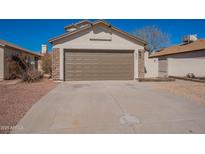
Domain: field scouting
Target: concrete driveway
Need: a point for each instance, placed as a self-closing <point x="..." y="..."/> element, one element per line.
<point x="112" y="107"/>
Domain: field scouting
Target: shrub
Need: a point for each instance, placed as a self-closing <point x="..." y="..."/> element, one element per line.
<point x="32" y="75"/>
<point x="46" y="63"/>
<point x="190" y="75"/>
<point x="27" y="72"/>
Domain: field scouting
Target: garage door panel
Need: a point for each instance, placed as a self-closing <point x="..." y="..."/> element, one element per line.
<point x="99" y="65"/>
<point x="100" y="75"/>
<point x="89" y="73"/>
<point x="96" y="77"/>
<point x="99" y="60"/>
<point x="105" y="68"/>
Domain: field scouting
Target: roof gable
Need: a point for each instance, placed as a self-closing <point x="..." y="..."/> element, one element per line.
<point x="98" y="23"/>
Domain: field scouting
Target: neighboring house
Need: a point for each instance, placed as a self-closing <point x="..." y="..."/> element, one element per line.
<point x="179" y="60"/>
<point x="7" y="50"/>
<point x="97" y="51"/>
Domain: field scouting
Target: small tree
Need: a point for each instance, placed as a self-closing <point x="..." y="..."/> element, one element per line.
<point x="46" y="63"/>
<point x="155" y="38"/>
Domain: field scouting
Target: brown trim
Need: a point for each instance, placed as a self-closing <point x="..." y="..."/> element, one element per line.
<point x="27" y="52"/>
<point x="67" y="34"/>
<point x="97" y="50"/>
<point x="70" y="26"/>
<point x="95" y="23"/>
<point x="177" y="53"/>
<point x="129" y="35"/>
<point x="13" y="46"/>
<point x="76" y="24"/>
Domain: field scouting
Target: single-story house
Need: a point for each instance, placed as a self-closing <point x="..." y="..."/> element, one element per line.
<point x="7" y="50"/>
<point x="97" y="51"/>
<point x="179" y="60"/>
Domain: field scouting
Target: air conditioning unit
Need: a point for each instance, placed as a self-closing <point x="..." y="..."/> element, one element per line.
<point x="189" y="38"/>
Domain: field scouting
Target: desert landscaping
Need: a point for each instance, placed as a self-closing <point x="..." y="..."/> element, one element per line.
<point x="191" y="90"/>
<point x="17" y="98"/>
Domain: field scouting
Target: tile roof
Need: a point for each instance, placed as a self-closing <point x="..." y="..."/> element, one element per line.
<point x="5" y="43"/>
<point x="191" y="47"/>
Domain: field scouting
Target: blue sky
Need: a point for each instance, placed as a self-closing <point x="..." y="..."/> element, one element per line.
<point x="32" y="33"/>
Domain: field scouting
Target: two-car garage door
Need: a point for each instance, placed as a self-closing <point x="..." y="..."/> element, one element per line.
<point x="98" y="65"/>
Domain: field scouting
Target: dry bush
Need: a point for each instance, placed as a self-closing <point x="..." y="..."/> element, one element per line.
<point x="46" y="63"/>
<point x="32" y="75"/>
<point x="26" y="71"/>
<point x="190" y="75"/>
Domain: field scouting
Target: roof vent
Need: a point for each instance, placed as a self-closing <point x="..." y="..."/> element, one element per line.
<point x="189" y="39"/>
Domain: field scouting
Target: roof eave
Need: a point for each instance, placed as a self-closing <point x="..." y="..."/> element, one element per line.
<point x="70" y="26"/>
<point x="67" y="34"/>
<point x="97" y="22"/>
<point x="76" y="24"/>
<point x="134" y="37"/>
<point x="13" y="46"/>
<point x="156" y="56"/>
<point x="24" y="50"/>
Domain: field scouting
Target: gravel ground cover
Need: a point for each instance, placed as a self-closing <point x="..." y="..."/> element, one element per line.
<point x="191" y="90"/>
<point x="17" y="99"/>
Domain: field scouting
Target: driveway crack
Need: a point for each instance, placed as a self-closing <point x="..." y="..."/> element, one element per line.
<point x="123" y="111"/>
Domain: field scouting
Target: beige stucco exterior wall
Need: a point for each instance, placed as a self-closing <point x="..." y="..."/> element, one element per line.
<point x="182" y="64"/>
<point x="101" y="38"/>
<point x="151" y="66"/>
<point x="1" y="63"/>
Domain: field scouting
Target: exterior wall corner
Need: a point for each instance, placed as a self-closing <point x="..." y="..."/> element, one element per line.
<point x="1" y="63"/>
<point x="56" y="64"/>
<point x="141" y="70"/>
